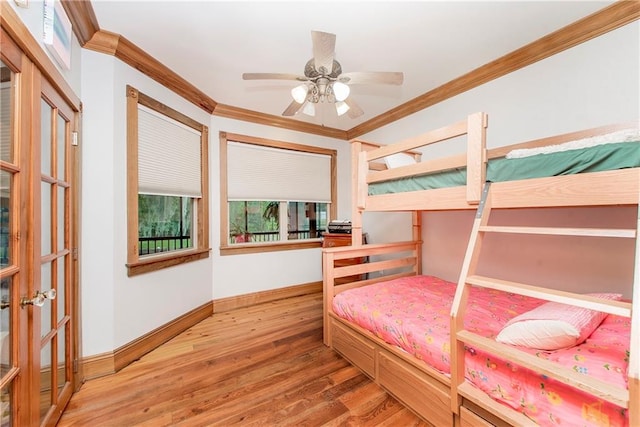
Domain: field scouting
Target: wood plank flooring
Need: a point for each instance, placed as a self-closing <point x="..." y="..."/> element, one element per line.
<point x="263" y="365"/>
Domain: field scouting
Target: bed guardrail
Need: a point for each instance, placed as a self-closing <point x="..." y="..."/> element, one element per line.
<point x="474" y="126"/>
<point x="386" y="261"/>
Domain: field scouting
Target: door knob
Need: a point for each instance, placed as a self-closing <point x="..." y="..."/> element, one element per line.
<point x="39" y="298"/>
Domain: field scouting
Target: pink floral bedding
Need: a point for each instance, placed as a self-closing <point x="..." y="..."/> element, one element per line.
<point x="414" y="313"/>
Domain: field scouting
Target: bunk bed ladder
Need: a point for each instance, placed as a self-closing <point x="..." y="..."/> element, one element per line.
<point x="461" y="338"/>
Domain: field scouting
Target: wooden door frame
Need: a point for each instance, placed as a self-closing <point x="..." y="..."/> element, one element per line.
<point x="34" y="67"/>
<point x="75" y="163"/>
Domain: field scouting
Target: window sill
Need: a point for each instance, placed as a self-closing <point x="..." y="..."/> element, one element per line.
<point x="252" y="248"/>
<point x="159" y="262"/>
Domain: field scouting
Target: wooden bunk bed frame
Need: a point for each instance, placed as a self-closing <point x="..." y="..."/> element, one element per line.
<point x="439" y="399"/>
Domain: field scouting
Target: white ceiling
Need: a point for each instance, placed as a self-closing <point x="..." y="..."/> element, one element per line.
<point x="211" y="43"/>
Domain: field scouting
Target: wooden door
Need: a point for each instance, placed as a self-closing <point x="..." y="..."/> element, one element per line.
<point x="53" y="276"/>
<point x="38" y="271"/>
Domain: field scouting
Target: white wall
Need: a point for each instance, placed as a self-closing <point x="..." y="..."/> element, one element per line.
<point x="593" y="84"/>
<point x="573" y="264"/>
<point x="97" y="196"/>
<point x="117" y="309"/>
<point x="241" y="274"/>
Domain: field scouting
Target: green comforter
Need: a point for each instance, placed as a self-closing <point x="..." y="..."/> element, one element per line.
<point x="591" y="159"/>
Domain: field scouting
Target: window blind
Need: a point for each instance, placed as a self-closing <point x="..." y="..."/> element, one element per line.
<point x="264" y="173"/>
<point x="168" y="156"/>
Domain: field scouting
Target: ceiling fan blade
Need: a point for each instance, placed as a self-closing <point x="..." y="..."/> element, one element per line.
<point x="273" y="76"/>
<point x="372" y="77"/>
<point x="293" y="108"/>
<point x="324" y="49"/>
<point x="354" y="109"/>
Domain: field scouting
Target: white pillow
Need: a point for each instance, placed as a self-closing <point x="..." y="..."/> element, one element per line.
<point x="553" y="325"/>
<point x="540" y="334"/>
<point x="399" y="159"/>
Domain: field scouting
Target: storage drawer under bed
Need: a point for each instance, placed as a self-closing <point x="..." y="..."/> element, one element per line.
<point x="358" y="351"/>
<point x="470" y="419"/>
<point x="428" y="398"/>
<point x="425" y="395"/>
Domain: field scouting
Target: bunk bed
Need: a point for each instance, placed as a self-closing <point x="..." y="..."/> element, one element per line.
<point x="438" y="360"/>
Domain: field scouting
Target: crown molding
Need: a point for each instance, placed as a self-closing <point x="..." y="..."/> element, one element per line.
<point x="104" y="42"/>
<point x="237" y="113"/>
<point x="607" y="19"/>
<point x="83" y="18"/>
<point x="116" y="45"/>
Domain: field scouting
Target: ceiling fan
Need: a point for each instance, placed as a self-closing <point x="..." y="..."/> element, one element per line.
<point x="324" y="80"/>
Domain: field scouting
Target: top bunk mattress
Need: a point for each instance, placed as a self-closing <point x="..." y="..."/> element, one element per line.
<point x="413" y="313"/>
<point x="598" y="158"/>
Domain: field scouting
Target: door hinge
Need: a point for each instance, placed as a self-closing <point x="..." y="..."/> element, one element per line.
<point x="74" y="138"/>
<point x="75" y="366"/>
<point x="74" y="254"/>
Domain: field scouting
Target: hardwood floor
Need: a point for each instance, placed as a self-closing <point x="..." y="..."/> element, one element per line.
<point x="260" y="366"/>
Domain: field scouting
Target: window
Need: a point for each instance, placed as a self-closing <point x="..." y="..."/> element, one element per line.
<point x="275" y="195"/>
<point x="167" y="186"/>
<point x="259" y="221"/>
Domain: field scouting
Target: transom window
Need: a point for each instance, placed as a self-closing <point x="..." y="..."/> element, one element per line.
<point x="275" y="195"/>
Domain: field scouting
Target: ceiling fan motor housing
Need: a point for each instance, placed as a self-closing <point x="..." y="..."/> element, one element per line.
<point x="312" y="73"/>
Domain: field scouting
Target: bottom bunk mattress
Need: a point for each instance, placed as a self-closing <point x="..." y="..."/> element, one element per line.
<point x="413" y="313"/>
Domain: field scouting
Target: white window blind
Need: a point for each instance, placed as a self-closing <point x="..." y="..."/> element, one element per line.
<point x="168" y="156"/>
<point x="263" y="173"/>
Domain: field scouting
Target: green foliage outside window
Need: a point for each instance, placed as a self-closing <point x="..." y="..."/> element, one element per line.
<point x="164" y="222"/>
<point x="253" y="218"/>
<point x="259" y="221"/>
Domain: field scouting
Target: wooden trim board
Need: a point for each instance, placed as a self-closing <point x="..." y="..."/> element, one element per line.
<point x="111" y="362"/>
<point x="225" y="304"/>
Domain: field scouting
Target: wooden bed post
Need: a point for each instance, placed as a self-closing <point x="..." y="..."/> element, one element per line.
<point x="416" y="217"/>
<point x="328" y="284"/>
<point x="359" y="169"/>
<point x="476" y="155"/>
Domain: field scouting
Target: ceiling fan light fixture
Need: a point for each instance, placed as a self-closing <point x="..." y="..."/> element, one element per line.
<point x="309" y="109"/>
<point x="324" y="82"/>
<point x="340" y="91"/>
<point x="341" y="107"/>
<point x="299" y="93"/>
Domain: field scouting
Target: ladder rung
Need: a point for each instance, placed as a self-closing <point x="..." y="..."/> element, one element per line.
<point x="616" y="395"/>
<point x="619" y="308"/>
<point x="559" y="231"/>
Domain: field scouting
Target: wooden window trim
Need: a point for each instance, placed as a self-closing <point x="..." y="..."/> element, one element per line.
<point x="225" y="247"/>
<point x="135" y="264"/>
